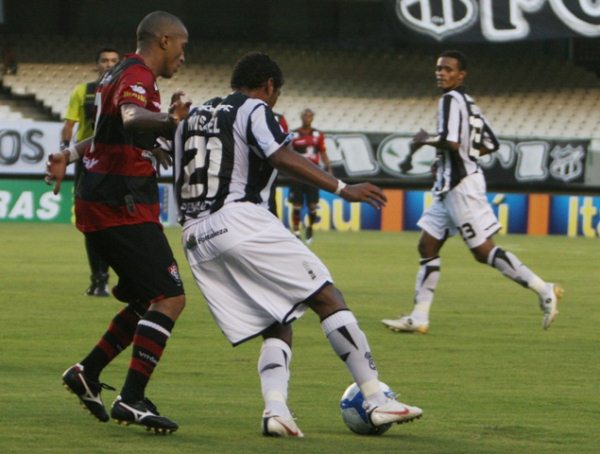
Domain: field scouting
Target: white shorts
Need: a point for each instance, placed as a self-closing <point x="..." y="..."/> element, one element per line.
<point x="251" y="270"/>
<point x="464" y="209"/>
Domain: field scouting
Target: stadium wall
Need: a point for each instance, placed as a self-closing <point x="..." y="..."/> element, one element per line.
<point x="526" y="208"/>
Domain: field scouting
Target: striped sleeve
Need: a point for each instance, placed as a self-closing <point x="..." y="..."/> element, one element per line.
<point x="449" y="119"/>
<point x="264" y="133"/>
<point x="490" y="141"/>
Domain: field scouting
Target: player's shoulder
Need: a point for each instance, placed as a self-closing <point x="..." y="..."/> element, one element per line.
<point x="133" y="67"/>
<point x="79" y="89"/>
<point x="212" y="103"/>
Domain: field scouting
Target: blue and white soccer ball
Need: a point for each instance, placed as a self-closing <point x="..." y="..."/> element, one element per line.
<point x="354" y="413"/>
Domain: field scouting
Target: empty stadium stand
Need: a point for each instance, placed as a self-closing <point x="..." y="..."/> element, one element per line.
<point x="350" y="90"/>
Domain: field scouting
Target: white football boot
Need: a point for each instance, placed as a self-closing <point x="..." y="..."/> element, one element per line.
<point x="279" y="426"/>
<point x="393" y="412"/>
<point x="549" y="304"/>
<point x="407" y="324"/>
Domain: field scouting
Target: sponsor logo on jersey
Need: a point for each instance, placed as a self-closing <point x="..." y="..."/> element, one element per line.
<point x="89" y="162"/>
<point x="138" y="89"/>
<point x="135" y="91"/>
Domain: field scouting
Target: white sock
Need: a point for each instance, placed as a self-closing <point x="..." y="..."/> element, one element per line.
<point x="509" y="265"/>
<point x="425" y="284"/>
<point x="274" y="372"/>
<point x="350" y="344"/>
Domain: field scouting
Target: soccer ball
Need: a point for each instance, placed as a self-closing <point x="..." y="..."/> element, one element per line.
<point x="354" y="414"/>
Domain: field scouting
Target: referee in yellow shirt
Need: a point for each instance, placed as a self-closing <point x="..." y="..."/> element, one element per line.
<point x="80" y="111"/>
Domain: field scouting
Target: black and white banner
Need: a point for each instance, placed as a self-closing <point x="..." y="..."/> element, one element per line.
<point x="519" y="164"/>
<point x="495" y="20"/>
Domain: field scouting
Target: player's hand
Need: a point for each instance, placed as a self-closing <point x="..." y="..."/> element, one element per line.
<point x="163" y="158"/>
<point x="419" y="139"/>
<point x="364" y="192"/>
<point x="56" y="167"/>
<point x="179" y="108"/>
<point x="406" y="164"/>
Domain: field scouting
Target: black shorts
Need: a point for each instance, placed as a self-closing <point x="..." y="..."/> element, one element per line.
<point x="142" y="258"/>
<point x="301" y="192"/>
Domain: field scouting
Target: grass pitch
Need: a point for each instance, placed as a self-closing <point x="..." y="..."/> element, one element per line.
<point x="489" y="379"/>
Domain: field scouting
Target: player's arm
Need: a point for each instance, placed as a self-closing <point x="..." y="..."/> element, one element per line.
<point x="489" y="142"/>
<point x="57" y="163"/>
<point x="420" y="139"/>
<point x="297" y="166"/>
<point x="439" y="142"/>
<point x="66" y="133"/>
<point x="139" y="119"/>
<point x="71" y="117"/>
<point x="324" y="157"/>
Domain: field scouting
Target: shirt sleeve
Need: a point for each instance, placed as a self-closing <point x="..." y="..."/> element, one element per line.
<point x="135" y="87"/>
<point x="490" y="141"/>
<point x="449" y="119"/>
<point x="264" y="132"/>
<point x="75" y="103"/>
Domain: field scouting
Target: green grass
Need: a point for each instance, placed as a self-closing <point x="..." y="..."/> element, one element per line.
<point x="489" y="379"/>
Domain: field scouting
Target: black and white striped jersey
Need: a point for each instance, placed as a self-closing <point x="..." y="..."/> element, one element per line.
<point x="221" y="152"/>
<point x="460" y="121"/>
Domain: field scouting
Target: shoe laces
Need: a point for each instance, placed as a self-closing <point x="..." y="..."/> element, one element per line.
<point x="96" y="383"/>
<point x="150" y="406"/>
<point x="106" y="386"/>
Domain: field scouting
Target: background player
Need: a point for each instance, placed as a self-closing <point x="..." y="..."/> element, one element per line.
<point x="310" y="143"/>
<point x="117" y="208"/>
<point x="460" y="203"/>
<point x="256" y="277"/>
<point x="80" y="111"/>
<point x="285" y="128"/>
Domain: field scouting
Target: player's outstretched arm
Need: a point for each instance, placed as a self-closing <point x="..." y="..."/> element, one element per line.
<point x="302" y="169"/>
<point x="138" y="119"/>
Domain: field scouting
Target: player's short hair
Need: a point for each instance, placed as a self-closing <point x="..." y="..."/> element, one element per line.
<point x="253" y="70"/>
<point x="106" y="49"/>
<point x="308" y="110"/>
<point x="155" y="24"/>
<point x="457" y="55"/>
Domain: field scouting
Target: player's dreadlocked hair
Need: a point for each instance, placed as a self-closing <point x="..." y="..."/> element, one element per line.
<point x="253" y="70"/>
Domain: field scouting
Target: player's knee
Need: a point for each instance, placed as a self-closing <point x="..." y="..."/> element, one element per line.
<point x="423" y="249"/>
<point x="279" y="331"/>
<point x="327" y="301"/>
<point x="171" y="307"/>
<point x="481" y="258"/>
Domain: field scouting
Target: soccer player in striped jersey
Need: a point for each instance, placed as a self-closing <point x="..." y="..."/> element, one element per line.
<point x="117" y="209"/>
<point x="460" y="204"/>
<point x="256" y="277"/>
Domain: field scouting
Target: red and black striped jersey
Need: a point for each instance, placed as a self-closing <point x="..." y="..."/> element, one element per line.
<point x="310" y="143"/>
<point x="119" y="184"/>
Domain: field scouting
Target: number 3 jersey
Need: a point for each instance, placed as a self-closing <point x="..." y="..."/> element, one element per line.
<point x="460" y="121"/>
<point x="221" y="155"/>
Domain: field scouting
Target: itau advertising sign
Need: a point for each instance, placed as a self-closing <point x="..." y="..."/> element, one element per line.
<point x="495" y="20"/>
